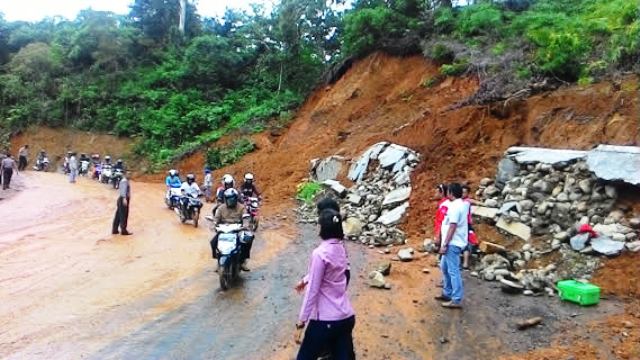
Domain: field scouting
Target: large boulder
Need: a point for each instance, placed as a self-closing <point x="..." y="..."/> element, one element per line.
<point x="326" y="169"/>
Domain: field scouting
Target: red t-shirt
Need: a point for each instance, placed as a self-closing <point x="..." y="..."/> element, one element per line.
<point x="441" y="213"/>
<point x="469" y="218"/>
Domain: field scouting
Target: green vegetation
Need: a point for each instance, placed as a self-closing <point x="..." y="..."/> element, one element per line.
<point x="307" y="191"/>
<point x="178" y="91"/>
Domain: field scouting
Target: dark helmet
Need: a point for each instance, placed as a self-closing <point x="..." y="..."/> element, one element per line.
<point x="231" y="197"/>
<point x="191" y="178"/>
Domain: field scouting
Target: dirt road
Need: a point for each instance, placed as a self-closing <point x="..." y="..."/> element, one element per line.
<point x="71" y="290"/>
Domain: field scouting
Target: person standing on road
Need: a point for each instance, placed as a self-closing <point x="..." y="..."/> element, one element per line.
<point x="455" y="241"/>
<point x="326" y="310"/>
<point x="7" y="166"/>
<point x="207" y="185"/>
<point x="23" y="154"/>
<point x="122" y="211"/>
<point x="73" y="168"/>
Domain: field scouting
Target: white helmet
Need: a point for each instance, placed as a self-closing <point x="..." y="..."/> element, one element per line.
<point x="173" y="172"/>
<point x="248" y="177"/>
<point x="228" y="181"/>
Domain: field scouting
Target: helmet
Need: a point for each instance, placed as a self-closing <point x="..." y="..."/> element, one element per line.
<point x="231" y="197"/>
<point x="119" y="161"/>
<point x="95" y="156"/>
<point x="107" y="158"/>
<point x="42" y="151"/>
<point x="228" y="182"/>
<point x="68" y="153"/>
<point x="191" y="178"/>
<point x="83" y="154"/>
<point x="173" y="172"/>
<point x="248" y="177"/>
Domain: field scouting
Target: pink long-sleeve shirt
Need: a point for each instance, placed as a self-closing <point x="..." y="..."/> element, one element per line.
<point x="326" y="295"/>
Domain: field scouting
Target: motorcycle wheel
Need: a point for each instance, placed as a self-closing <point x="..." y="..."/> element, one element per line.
<point x="225" y="278"/>
<point x="183" y="219"/>
<point x="196" y="217"/>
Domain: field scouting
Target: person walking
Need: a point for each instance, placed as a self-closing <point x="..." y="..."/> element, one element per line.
<point x="73" y="168"/>
<point x="121" y="217"/>
<point x="207" y="185"/>
<point x="23" y="154"/>
<point x="7" y="166"/>
<point x="455" y="241"/>
<point x="326" y="310"/>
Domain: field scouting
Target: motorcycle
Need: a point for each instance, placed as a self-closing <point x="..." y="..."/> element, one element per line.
<point x="42" y="165"/>
<point x="116" y="177"/>
<point x="190" y="210"/>
<point x="97" y="170"/>
<point x="172" y="198"/>
<point x="231" y="240"/>
<point x="84" y="167"/>
<point x="106" y="173"/>
<point x="253" y="206"/>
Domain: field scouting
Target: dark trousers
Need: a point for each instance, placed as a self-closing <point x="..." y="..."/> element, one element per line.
<point x="328" y="337"/>
<point x="121" y="217"/>
<point x="6" y="178"/>
<point x="22" y="163"/>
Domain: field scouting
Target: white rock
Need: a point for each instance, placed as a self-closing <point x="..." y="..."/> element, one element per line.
<point x="376" y="279"/>
<point x="484" y="212"/>
<point x="611" y="191"/>
<point x="394" y="216"/>
<point x="397" y="196"/>
<point x="405" y="254"/>
<point x="618" y="237"/>
<point x="609" y="230"/>
<point x="606" y="246"/>
<point x="633" y="246"/>
<point x="515" y="228"/>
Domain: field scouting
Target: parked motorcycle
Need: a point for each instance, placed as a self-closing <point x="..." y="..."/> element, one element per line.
<point x="253" y="206"/>
<point x="41" y="165"/>
<point x="190" y="210"/>
<point x="172" y="198"/>
<point x="84" y="167"/>
<point x="231" y="240"/>
<point x="116" y="176"/>
<point x="105" y="175"/>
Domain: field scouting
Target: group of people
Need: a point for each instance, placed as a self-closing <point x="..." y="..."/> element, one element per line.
<point x="229" y="205"/>
<point x="455" y="238"/>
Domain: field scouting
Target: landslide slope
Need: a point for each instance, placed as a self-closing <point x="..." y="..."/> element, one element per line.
<point x="385" y="98"/>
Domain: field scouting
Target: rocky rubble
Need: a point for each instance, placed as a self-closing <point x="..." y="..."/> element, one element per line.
<point x="552" y="201"/>
<point x="378" y="200"/>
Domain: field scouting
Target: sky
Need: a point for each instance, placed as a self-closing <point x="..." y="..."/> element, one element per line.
<point x="34" y="10"/>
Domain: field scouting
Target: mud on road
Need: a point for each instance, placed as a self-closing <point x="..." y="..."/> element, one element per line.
<point x="71" y="290"/>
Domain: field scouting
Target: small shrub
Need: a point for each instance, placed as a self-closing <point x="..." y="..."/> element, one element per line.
<point x="432" y="81"/>
<point x="217" y="158"/>
<point x="455" y="69"/>
<point x="442" y="54"/>
<point x="524" y="73"/>
<point x="499" y="49"/>
<point x="481" y="19"/>
<point x="307" y="191"/>
<point x="444" y="20"/>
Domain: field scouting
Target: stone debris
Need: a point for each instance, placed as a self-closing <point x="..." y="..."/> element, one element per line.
<point x="378" y="201"/>
<point x="405" y="254"/>
<point x="515" y="228"/>
<point x="326" y="169"/>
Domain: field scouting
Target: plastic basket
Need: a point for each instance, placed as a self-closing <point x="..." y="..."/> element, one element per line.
<point x="581" y="293"/>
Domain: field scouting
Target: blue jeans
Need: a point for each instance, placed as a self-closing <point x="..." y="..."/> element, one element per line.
<point x="451" y="277"/>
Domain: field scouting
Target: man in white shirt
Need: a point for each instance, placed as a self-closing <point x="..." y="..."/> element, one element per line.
<point x="189" y="188"/>
<point x="455" y="240"/>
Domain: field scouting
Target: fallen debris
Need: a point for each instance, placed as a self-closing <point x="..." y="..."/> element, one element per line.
<point x="525" y="324"/>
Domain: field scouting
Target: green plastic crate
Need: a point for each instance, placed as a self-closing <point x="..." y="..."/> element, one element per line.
<point x="581" y="293"/>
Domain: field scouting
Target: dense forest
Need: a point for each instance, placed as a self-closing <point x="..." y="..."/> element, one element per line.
<point x="178" y="88"/>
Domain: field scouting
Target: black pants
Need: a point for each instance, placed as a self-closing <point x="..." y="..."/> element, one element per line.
<point x="121" y="217"/>
<point x="6" y="178"/>
<point x="332" y="337"/>
<point x="22" y="163"/>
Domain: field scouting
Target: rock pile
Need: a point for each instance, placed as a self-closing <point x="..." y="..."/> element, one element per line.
<point x="554" y="199"/>
<point x="380" y="197"/>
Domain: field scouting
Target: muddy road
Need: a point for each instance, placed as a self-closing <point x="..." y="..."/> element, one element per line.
<point x="71" y="290"/>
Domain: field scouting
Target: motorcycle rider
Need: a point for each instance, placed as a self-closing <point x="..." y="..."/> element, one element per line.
<point x="173" y="180"/>
<point x="248" y="188"/>
<point x="65" y="164"/>
<point x="97" y="167"/>
<point x="227" y="183"/>
<point x="82" y="160"/>
<point x="119" y="165"/>
<point x="231" y="212"/>
<point x="40" y="159"/>
<point x="189" y="188"/>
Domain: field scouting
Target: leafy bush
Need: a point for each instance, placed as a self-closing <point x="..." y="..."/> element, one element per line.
<point x="444" y="20"/>
<point x="442" y="54"/>
<point x="457" y="68"/>
<point x="307" y="191"/>
<point x="481" y="19"/>
<point x="366" y="29"/>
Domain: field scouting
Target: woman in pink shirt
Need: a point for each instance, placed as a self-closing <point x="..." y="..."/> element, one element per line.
<point x="326" y="310"/>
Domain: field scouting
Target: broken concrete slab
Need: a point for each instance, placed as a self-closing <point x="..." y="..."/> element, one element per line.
<point x="392" y="154"/>
<point x="579" y="242"/>
<point x="508" y="206"/>
<point x="402" y="178"/>
<point x="326" y="169"/>
<point x="615" y="163"/>
<point x="515" y="228"/>
<point x="394" y="216"/>
<point x="606" y="246"/>
<point x="336" y="186"/>
<point x="397" y="196"/>
<point x="527" y="155"/>
<point x="358" y="169"/>
<point x="484" y="212"/>
<point x="491" y="248"/>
